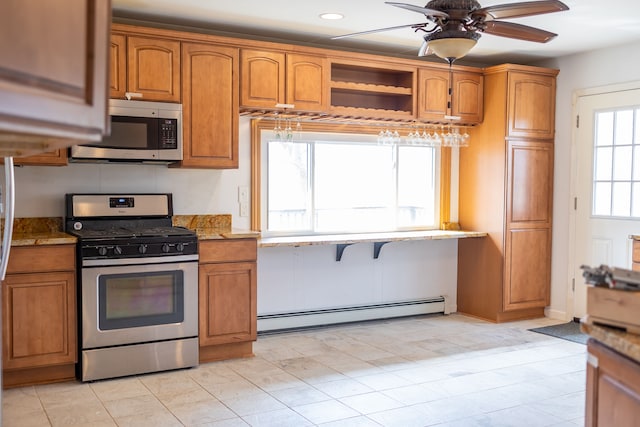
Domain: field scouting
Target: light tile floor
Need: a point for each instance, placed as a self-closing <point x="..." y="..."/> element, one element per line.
<point x="434" y="370"/>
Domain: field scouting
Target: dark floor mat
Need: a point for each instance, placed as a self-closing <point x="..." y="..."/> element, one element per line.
<point x="569" y="331"/>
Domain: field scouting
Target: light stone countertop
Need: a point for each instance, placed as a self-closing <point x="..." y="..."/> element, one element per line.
<point x="347" y="239"/>
<point x="213" y="227"/>
<point x="212" y="234"/>
<point x="43" y="238"/>
<point x="48" y="231"/>
<point x="39" y="231"/>
<point x="623" y="342"/>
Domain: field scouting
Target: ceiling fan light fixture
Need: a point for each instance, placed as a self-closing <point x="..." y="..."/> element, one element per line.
<point x="452" y="45"/>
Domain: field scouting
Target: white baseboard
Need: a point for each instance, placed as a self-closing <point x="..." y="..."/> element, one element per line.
<point x="301" y="319"/>
<point x="556" y="314"/>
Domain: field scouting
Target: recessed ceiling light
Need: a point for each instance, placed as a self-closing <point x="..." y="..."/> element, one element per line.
<point x="331" y="16"/>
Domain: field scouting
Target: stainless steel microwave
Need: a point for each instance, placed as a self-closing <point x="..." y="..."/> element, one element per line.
<point x="141" y="131"/>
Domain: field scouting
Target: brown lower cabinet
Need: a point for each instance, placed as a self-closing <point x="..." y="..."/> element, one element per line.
<point x="39" y="315"/>
<point x="613" y="388"/>
<point x="227" y="298"/>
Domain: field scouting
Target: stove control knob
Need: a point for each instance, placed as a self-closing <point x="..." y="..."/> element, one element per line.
<point x="166" y="248"/>
<point x="142" y="249"/>
<point x="102" y="251"/>
<point x="179" y="247"/>
<point x="117" y="250"/>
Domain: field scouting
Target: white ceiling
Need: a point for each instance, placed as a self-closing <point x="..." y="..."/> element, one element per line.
<point x="589" y="24"/>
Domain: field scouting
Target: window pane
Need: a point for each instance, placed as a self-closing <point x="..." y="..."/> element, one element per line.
<point x="327" y="182"/>
<point x="603" y="163"/>
<point x="622" y="163"/>
<point x="288" y="198"/>
<point x="602" y="198"/>
<point x="636" y="162"/>
<point x="635" y="201"/>
<point x="637" y="127"/>
<point x="624" y="127"/>
<point x="604" y="128"/>
<point x="416" y="186"/>
<point x="621" y="199"/>
<point x="354" y="187"/>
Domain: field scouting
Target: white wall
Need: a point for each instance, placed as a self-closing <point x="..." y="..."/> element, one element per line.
<point x="580" y="71"/>
<point x="310" y="278"/>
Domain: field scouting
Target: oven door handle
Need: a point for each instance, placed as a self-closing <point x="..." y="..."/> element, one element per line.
<point x="139" y="261"/>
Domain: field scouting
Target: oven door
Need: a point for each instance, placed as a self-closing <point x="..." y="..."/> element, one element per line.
<point x="137" y="303"/>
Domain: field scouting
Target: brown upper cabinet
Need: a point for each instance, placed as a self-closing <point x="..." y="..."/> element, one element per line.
<point x="269" y="78"/>
<point x="531" y="106"/>
<point x="53" y="84"/>
<point x="50" y="158"/>
<point x="146" y="65"/>
<point x="437" y="104"/>
<point x="209" y="106"/>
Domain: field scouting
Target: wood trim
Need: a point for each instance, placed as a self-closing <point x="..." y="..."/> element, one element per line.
<point x="256" y="171"/>
<point x="39" y="375"/>
<point x="218" y="352"/>
<point x="445" y="187"/>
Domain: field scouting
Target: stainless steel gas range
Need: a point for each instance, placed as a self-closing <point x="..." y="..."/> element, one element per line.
<point x="138" y="285"/>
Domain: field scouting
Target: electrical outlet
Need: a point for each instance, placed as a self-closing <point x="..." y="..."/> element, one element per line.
<point x="243" y="194"/>
<point x="244" y="209"/>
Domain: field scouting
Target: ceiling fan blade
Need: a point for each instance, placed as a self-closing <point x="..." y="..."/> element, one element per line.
<point x="414" y="26"/>
<point x="518" y="31"/>
<point x="419" y="9"/>
<point x="517" y="10"/>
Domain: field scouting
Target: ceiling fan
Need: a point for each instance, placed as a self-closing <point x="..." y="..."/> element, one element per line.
<point x="453" y="26"/>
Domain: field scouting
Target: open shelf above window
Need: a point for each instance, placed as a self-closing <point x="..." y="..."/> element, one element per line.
<point x="373" y="90"/>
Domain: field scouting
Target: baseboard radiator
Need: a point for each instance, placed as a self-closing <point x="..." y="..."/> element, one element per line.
<point x="332" y="316"/>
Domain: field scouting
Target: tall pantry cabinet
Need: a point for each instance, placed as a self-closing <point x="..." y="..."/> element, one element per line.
<point x="506" y="189"/>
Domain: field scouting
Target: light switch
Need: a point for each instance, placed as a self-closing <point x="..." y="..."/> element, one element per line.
<point x="243" y="194"/>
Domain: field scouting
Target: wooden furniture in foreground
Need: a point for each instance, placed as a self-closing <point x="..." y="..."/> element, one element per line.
<point x="227" y="298"/>
<point x="39" y="315"/>
<point x="506" y="189"/>
<point x="635" y="265"/>
<point x="613" y="388"/>
<point x="53" y="83"/>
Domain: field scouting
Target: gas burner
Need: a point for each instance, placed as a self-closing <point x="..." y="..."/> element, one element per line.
<point x="126" y="226"/>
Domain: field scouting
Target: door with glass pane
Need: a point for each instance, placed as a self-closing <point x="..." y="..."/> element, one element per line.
<point x="607" y="183"/>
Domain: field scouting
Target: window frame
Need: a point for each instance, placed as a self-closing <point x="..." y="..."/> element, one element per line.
<point x="260" y="125"/>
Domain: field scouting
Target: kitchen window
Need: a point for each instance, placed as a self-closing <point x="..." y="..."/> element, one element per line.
<point x="327" y="180"/>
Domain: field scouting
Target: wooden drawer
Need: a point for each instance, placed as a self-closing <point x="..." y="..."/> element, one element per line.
<point x="33" y="259"/>
<point x="228" y="250"/>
